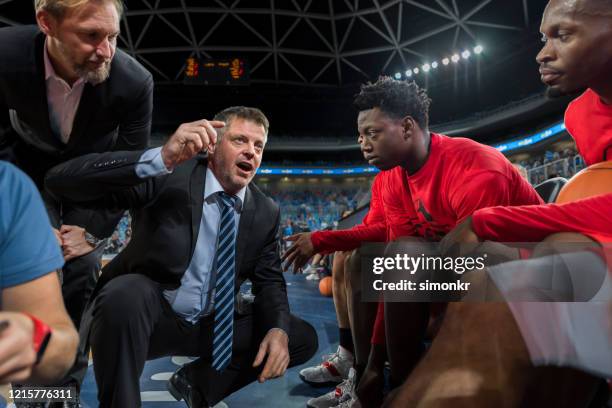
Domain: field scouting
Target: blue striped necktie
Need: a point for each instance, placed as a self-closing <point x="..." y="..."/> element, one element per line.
<point x="224" y="288"/>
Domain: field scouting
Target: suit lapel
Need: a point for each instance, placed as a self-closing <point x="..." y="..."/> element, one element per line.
<point x="244" y="227"/>
<point x="196" y="194"/>
<point x="89" y="100"/>
<point x="38" y="90"/>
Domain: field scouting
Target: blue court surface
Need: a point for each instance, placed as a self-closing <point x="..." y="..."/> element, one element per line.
<point x="286" y="392"/>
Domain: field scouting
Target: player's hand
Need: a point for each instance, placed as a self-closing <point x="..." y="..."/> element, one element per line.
<point x="189" y="140"/>
<point x="300" y="252"/>
<point x="17" y="356"/>
<point x="276" y="346"/>
<point x="460" y="240"/>
<point x="73" y="242"/>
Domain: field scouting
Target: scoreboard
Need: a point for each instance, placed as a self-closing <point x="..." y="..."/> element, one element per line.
<point x="233" y="71"/>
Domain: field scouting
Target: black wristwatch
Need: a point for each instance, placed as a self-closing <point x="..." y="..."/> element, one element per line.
<point x="92" y="240"/>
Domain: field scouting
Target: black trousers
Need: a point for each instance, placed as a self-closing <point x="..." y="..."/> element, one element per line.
<point x="79" y="275"/>
<point x="132" y="323"/>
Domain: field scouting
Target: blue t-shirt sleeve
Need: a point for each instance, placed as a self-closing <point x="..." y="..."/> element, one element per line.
<point x="28" y="248"/>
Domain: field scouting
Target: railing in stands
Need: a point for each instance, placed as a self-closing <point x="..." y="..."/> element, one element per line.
<point x="565" y="167"/>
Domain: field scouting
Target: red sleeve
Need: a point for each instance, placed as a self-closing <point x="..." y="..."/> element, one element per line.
<point x="376" y="213"/>
<point x="486" y="188"/>
<point x="378" y="332"/>
<point x="372" y="229"/>
<point x="591" y="216"/>
<point x="345" y="240"/>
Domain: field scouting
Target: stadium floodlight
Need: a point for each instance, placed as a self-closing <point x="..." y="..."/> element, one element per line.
<point x="466" y="54"/>
<point x="446" y="61"/>
<point x="408" y="73"/>
<point x="416" y="71"/>
<point x="455" y="58"/>
<point x="434" y="64"/>
<point x="426" y="67"/>
<point x="398" y="75"/>
<point x="478" y="49"/>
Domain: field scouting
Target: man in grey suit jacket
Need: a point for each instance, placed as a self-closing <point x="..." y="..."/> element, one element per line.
<point x="200" y="230"/>
<point x="65" y="91"/>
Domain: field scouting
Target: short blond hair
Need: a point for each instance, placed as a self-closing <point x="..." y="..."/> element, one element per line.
<point x="57" y="8"/>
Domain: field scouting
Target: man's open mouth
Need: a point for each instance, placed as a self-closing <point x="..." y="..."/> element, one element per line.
<point x="246" y="166"/>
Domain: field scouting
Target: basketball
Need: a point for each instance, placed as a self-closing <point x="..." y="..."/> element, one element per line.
<point x="325" y="286"/>
<point x="592" y="181"/>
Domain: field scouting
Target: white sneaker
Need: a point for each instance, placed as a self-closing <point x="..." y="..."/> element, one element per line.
<point x="333" y="370"/>
<point x="313" y="276"/>
<point x="342" y="393"/>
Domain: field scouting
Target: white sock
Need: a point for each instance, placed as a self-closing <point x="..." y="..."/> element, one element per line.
<point x="345" y="354"/>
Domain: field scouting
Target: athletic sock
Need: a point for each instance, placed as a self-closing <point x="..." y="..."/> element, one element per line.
<point x="346" y="340"/>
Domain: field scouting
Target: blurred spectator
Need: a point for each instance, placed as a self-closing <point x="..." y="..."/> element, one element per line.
<point x="314" y="209"/>
<point x="563" y="163"/>
<point x="521" y="170"/>
<point x="121" y="236"/>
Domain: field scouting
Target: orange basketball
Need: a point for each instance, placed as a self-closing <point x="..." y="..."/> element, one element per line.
<point x="594" y="180"/>
<point x="325" y="286"/>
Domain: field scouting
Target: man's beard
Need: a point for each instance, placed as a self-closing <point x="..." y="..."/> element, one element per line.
<point x="96" y="76"/>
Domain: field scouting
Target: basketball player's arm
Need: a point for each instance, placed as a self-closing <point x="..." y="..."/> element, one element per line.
<point x="41" y="298"/>
<point x="29" y="256"/>
<point x="327" y="242"/>
<point x="489" y="188"/>
<point x="591" y="216"/>
<point x="372" y="229"/>
<point x="483" y="188"/>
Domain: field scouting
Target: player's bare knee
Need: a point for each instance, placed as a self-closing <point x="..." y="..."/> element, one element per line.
<point x="454" y="383"/>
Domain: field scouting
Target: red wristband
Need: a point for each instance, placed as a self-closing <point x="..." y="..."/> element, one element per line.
<point x="40" y="337"/>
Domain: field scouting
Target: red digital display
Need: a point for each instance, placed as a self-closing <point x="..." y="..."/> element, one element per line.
<point x="232" y="71"/>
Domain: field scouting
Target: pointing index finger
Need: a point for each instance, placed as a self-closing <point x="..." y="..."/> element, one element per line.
<point x="217" y="123"/>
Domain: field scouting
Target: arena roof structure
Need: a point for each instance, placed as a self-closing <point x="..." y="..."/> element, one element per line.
<point x="307" y="42"/>
<point x="306" y="58"/>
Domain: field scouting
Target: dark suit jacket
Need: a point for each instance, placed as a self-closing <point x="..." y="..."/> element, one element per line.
<point x="167" y="211"/>
<point x="114" y="115"/>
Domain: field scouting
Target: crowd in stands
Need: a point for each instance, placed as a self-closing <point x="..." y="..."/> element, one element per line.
<point x="311" y="210"/>
<point x="564" y="163"/>
<point x="317" y="163"/>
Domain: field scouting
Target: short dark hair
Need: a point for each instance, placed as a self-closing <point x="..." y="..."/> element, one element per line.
<point x="243" y="112"/>
<point x="397" y="99"/>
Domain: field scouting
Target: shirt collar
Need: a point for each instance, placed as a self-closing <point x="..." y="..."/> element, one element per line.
<point x="212" y="186"/>
<point x="50" y="71"/>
